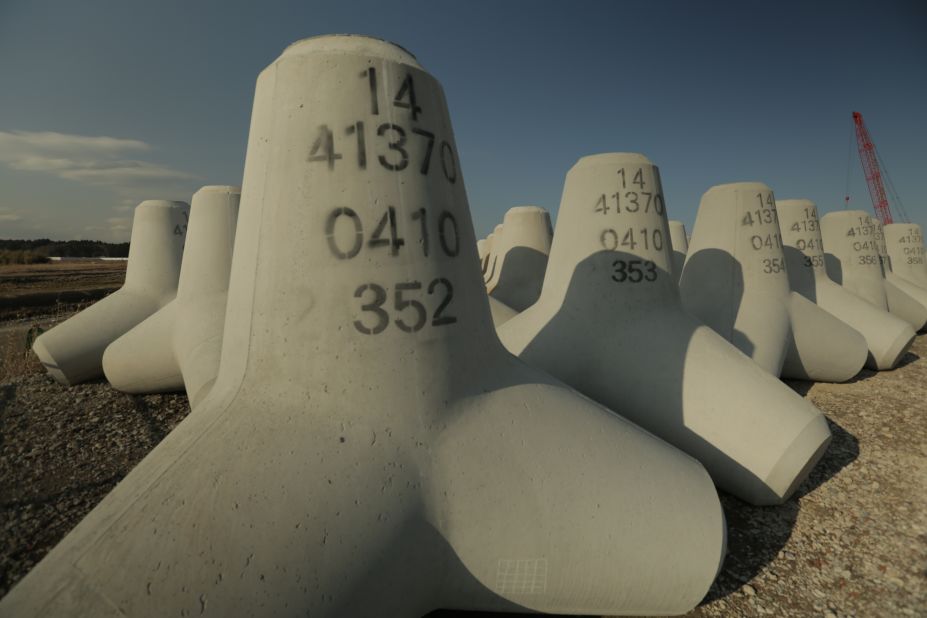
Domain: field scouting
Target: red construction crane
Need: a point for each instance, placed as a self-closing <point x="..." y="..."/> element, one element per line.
<point x="869" y="158"/>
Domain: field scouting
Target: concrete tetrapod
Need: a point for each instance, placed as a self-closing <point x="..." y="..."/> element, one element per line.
<point x="679" y="243"/>
<point x="887" y="337"/>
<point x="657" y="365"/>
<point x="522" y="248"/>
<point x="735" y="280"/>
<point x="72" y="352"/>
<point x="359" y="454"/>
<point x="183" y="340"/>
<point x="898" y="290"/>
<point x="904" y="245"/>
<point x="852" y="259"/>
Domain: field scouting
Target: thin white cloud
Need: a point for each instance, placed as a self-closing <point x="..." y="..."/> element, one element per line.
<point x="101" y="161"/>
<point x="108" y="163"/>
<point x="9" y="216"/>
<point x="115" y="229"/>
<point x="49" y="141"/>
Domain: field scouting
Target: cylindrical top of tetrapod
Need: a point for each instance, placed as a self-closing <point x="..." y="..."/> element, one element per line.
<point x="852" y="254"/>
<point x="354" y="239"/>
<point x="904" y="244"/>
<point x="522" y="248"/>
<point x="611" y="234"/>
<point x="159" y="229"/>
<point x="740" y="219"/>
<point x="804" y="251"/>
<point x="208" y="255"/>
<point x="678" y="238"/>
<point x="523" y="226"/>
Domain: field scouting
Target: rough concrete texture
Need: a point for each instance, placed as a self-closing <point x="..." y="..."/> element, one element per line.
<point x="520" y="257"/>
<point x="654" y="363"/>
<point x="183" y="340"/>
<point x="735" y="280"/>
<point x="73" y="351"/>
<point x="851" y="256"/>
<point x="369" y="448"/>
<point x="679" y="241"/>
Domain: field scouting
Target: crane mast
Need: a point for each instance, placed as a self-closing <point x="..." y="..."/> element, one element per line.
<point x="867" y="155"/>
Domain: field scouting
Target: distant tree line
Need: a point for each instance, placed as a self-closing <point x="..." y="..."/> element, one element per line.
<point x="38" y="251"/>
<point x="67" y="248"/>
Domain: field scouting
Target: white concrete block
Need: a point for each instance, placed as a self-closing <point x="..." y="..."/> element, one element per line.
<point x="72" y="352"/>
<point x="183" y="340"/>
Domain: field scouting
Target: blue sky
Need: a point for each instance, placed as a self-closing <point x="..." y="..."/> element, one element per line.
<point x="106" y="103"/>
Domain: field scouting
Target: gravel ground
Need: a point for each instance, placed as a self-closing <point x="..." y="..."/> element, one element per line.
<point x="853" y="542"/>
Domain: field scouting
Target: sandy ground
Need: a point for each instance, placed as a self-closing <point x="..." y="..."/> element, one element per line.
<point x="852" y="542"/>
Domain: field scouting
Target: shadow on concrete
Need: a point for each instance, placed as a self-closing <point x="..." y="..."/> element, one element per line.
<point x="801" y="277"/>
<point x="712" y="288"/>
<point x="833" y="267"/>
<point x="520" y="277"/>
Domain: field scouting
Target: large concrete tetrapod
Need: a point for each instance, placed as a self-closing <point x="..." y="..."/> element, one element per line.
<point x="72" y="352"/>
<point x="735" y="280"/>
<point x="899" y="290"/>
<point x="904" y="245"/>
<point x="852" y="260"/>
<point x="887" y="337"/>
<point x="609" y="322"/>
<point x="369" y="448"/>
<point x="522" y="248"/>
<point x="183" y="340"/>
<point x="679" y="242"/>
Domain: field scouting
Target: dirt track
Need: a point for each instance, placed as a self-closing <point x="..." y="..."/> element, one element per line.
<point x="853" y="542"/>
<point x="37" y="289"/>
